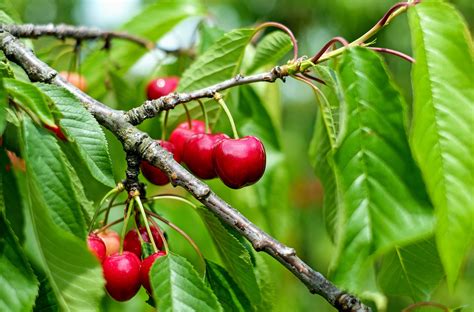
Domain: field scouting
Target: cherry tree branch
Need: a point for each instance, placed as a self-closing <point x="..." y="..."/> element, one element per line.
<point x="62" y="31"/>
<point x="134" y="140"/>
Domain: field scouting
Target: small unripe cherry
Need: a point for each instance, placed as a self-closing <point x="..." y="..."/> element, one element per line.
<point x="122" y="275"/>
<point x="159" y="87"/>
<point x="111" y="240"/>
<point x="96" y="246"/>
<point x="145" y="269"/>
<point x="154" y="174"/>
<point x="132" y="241"/>
<point x="75" y="79"/>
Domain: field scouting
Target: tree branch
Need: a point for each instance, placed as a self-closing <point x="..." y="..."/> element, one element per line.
<point x="133" y="139"/>
<point x="66" y="31"/>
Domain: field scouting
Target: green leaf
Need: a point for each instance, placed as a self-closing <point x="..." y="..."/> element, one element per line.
<point x="3" y="106"/>
<point x="234" y="255"/>
<point x="321" y="148"/>
<point x="414" y="270"/>
<point x="18" y="287"/>
<point x="45" y="163"/>
<point x="177" y="286"/>
<point x="208" y="35"/>
<point x="46" y="300"/>
<point x="152" y="23"/>
<point x="384" y="199"/>
<point x="30" y="98"/>
<point x="270" y="50"/>
<point x="442" y="127"/>
<point x="230" y="296"/>
<point x="74" y="274"/>
<point x="88" y="137"/>
<point x="220" y="62"/>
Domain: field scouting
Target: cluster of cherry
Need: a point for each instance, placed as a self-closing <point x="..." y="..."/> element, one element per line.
<point x="237" y="162"/>
<point x="125" y="272"/>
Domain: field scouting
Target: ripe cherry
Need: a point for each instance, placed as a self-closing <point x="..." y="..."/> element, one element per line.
<point x="57" y="131"/>
<point x="75" y="79"/>
<point x="111" y="240"/>
<point x="161" y="86"/>
<point x="197" y="154"/>
<point x="182" y="133"/>
<point x="145" y="269"/>
<point x="239" y="162"/>
<point x="97" y="246"/>
<point x="154" y="174"/>
<point x="122" y="275"/>
<point x="132" y="241"/>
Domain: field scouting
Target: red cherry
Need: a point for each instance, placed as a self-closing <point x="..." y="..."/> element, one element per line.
<point x="161" y="86"/>
<point x="145" y="269"/>
<point x="122" y="275"/>
<point x="197" y="154"/>
<point x="111" y="240"/>
<point x="132" y="241"/>
<point x="97" y="246"/>
<point x="57" y="131"/>
<point x="154" y="174"/>
<point x="75" y="79"/>
<point x="239" y="162"/>
<point x="182" y="133"/>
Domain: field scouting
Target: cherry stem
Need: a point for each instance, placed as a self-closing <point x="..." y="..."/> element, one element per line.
<point x="285" y="29"/>
<point x="177" y="229"/>
<point x="140" y="238"/>
<point x="125" y="222"/>
<point x="162" y="235"/>
<point x="119" y="188"/>
<point x="147" y="226"/>
<point x="109" y="206"/>
<point x="171" y="196"/>
<point x="105" y="227"/>
<point x="426" y="303"/>
<point x="394" y="52"/>
<point x="220" y="100"/>
<point x="188" y="115"/>
<point x="165" y="124"/>
<point x="328" y="45"/>
<point x="204" y="113"/>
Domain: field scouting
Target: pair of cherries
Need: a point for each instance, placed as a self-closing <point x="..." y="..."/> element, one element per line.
<point x="124" y="272"/>
<point x="237" y="162"/>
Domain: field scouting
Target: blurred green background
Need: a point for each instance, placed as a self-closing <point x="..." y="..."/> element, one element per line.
<point x="295" y="217"/>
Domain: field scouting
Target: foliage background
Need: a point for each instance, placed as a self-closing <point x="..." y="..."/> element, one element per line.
<point x="294" y="218"/>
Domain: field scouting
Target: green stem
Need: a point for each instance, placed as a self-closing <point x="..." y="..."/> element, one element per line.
<point x="147" y="226"/>
<point x="117" y="189"/>
<point x="204" y="113"/>
<point x="162" y="235"/>
<point x="174" y="197"/>
<point x="180" y="231"/>
<point x="188" y="115"/>
<point x="109" y="206"/>
<point x="165" y="124"/>
<point x="125" y="222"/>
<point x="220" y="100"/>
<point x="105" y="227"/>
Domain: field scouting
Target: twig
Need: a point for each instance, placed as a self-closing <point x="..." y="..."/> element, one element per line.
<point x="394" y="52"/>
<point x="62" y="31"/>
<point x="135" y="140"/>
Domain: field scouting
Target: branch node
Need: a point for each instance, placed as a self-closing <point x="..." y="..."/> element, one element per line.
<point x="348" y="303"/>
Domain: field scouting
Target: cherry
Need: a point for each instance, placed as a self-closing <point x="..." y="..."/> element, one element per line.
<point x="132" y="241"/>
<point x="122" y="275"/>
<point x="182" y="133"/>
<point x="145" y="269"/>
<point x="239" y="162"/>
<point x="197" y="154"/>
<point x="111" y="240"/>
<point x="161" y="86"/>
<point x="75" y="79"/>
<point x="154" y="174"/>
<point x="97" y="246"/>
<point x="57" y="131"/>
